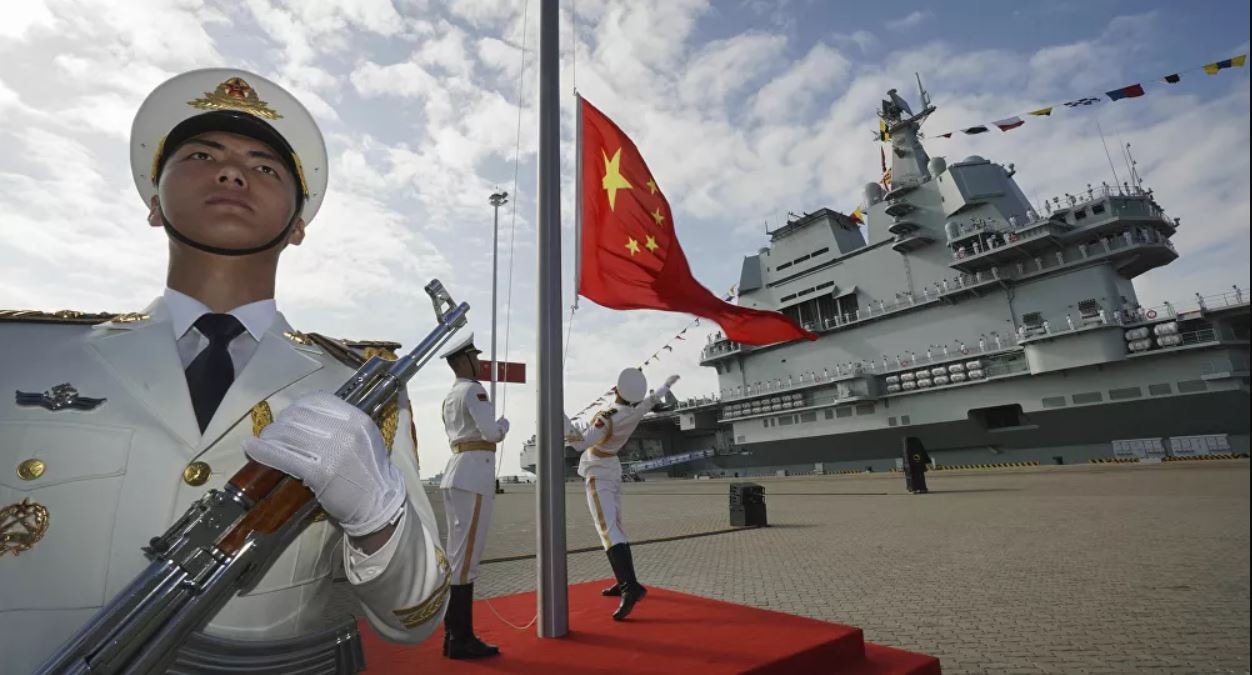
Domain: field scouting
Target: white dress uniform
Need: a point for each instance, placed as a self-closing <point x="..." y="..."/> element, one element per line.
<point x="93" y="486"/>
<point x="600" y="467"/>
<point x="469" y="480"/>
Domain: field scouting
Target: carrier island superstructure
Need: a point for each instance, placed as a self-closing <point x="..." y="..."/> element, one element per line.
<point x="994" y="330"/>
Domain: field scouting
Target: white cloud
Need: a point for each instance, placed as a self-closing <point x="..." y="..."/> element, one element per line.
<point x="911" y="20"/>
<point x="862" y="39"/>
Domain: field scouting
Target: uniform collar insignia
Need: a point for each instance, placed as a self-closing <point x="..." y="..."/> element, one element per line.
<point x="58" y="398"/>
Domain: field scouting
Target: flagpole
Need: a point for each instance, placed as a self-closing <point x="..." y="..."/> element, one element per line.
<point x="578" y="194"/>
<point x="552" y="591"/>
<point x="497" y="199"/>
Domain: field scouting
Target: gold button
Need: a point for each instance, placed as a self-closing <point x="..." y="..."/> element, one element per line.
<point x="196" y="473"/>
<point x="30" y="469"/>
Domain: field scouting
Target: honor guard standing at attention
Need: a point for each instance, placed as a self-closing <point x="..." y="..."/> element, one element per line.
<point x="120" y="422"/>
<point x="469" y="484"/>
<point x="601" y="470"/>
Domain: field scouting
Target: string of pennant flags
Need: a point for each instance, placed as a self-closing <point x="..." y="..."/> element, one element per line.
<point x="656" y="356"/>
<point x="1129" y="91"/>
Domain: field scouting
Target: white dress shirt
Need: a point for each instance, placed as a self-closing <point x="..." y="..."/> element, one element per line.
<point x="257" y="317"/>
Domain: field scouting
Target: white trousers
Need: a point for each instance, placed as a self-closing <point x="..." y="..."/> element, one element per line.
<point x="604" y="498"/>
<point x="468" y="515"/>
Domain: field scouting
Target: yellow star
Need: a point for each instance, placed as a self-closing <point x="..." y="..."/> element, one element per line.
<point x="658" y="216"/>
<point x="632" y="246"/>
<point x="651" y="186"/>
<point x="651" y="245"/>
<point x="613" y="179"/>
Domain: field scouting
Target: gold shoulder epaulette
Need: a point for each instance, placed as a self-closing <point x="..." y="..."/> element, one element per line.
<point x="336" y="348"/>
<point x="68" y="316"/>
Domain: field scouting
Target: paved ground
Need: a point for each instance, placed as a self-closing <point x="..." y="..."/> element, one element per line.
<point x="1083" y="569"/>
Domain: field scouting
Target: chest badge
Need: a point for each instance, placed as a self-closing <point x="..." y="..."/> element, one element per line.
<point x="22" y="526"/>
<point x="59" y="397"/>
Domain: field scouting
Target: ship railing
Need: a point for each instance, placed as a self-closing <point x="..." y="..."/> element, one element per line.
<point x="1233" y="298"/>
<point x="1094" y="193"/>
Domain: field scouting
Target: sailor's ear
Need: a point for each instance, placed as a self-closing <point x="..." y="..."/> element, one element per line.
<point x="154" y="211"/>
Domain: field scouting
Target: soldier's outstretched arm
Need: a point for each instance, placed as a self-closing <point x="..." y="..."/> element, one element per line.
<point x="598" y="429"/>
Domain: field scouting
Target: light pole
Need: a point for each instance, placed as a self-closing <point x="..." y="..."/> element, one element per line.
<point x="497" y="200"/>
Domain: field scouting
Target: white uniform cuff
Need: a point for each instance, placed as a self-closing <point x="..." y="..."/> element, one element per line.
<point x="360" y="566"/>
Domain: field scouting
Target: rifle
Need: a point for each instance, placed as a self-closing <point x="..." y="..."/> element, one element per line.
<point x="227" y="539"/>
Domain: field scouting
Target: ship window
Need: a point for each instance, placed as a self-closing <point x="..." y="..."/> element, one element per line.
<point x="891" y="421"/>
<point x="808" y="417"/>
<point x="819" y="287"/>
<point x="843" y="412"/>
<point x="1054" y="401"/>
<point x="1191" y="386"/>
<point x="788" y="297"/>
<point x="786" y="420"/>
<point x="801" y="259"/>
<point x="1128" y="392"/>
<point x="1032" y="319"/>
<point x="1089" y="307"/>
<point x="830" y="414"/>
<point x="1080" y="214"/>
<point x="1160" y="389"/>
<point x="998" y="417"/>
<point x="865" y="408"/>
<point x="820" y="251"/>
<point x="1098" y="208"/>
<point x="1089" y="397"/>
<point x="765" y="423"/>
<point x="783" y="266"/>
<point x="904" y="419"/>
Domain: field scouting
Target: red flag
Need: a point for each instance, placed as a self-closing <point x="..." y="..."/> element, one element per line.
<point x="631" y="257"/>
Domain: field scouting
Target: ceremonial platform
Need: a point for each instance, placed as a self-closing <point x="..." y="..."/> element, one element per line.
<point x="669" y="632"/>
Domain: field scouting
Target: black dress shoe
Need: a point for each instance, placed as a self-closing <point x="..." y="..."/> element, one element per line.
<point x="611" y="591"/>
<point x="469" y="648"/>
<point x="632" y="594"/>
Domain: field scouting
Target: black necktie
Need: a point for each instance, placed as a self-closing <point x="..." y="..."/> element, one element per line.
<point x="211" y="372"/>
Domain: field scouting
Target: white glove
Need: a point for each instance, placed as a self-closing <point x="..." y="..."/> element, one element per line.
<point x="669" y="381"/>
<point x="339" y="453"/>
<point x="503" y="423"/>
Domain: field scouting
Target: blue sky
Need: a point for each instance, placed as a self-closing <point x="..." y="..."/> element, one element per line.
<point x="744" y="111"/>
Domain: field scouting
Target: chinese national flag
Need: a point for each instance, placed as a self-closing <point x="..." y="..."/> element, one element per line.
<point x="631" y="258"/>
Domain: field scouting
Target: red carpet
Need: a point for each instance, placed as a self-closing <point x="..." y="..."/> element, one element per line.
<point x="668" y="632"/>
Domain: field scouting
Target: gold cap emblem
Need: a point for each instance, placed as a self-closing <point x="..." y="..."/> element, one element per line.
<point x="235" y="94"/>
<point x="22" y="526"/>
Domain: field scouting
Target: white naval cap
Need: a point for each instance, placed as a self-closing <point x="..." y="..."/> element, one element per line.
<point x="632" y="385"/>
<point x="227" y="99"/>
<point x="465" y="344"/>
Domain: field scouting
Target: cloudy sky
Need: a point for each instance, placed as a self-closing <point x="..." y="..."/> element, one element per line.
<point x="745" y="110"/>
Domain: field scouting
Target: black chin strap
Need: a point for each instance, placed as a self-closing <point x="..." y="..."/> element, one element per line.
<point x="184" y="239"/>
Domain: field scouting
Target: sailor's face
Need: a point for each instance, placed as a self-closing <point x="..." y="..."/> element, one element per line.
<point x="227" y="190"/>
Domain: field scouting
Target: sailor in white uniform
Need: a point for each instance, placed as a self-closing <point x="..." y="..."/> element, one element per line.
<point x="468" y="487"/>
<point x="122" y="421"/>
<point x="601" y="470"/>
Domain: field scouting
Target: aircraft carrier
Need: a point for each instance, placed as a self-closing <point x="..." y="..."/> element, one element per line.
<point x="995" y="330"/>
